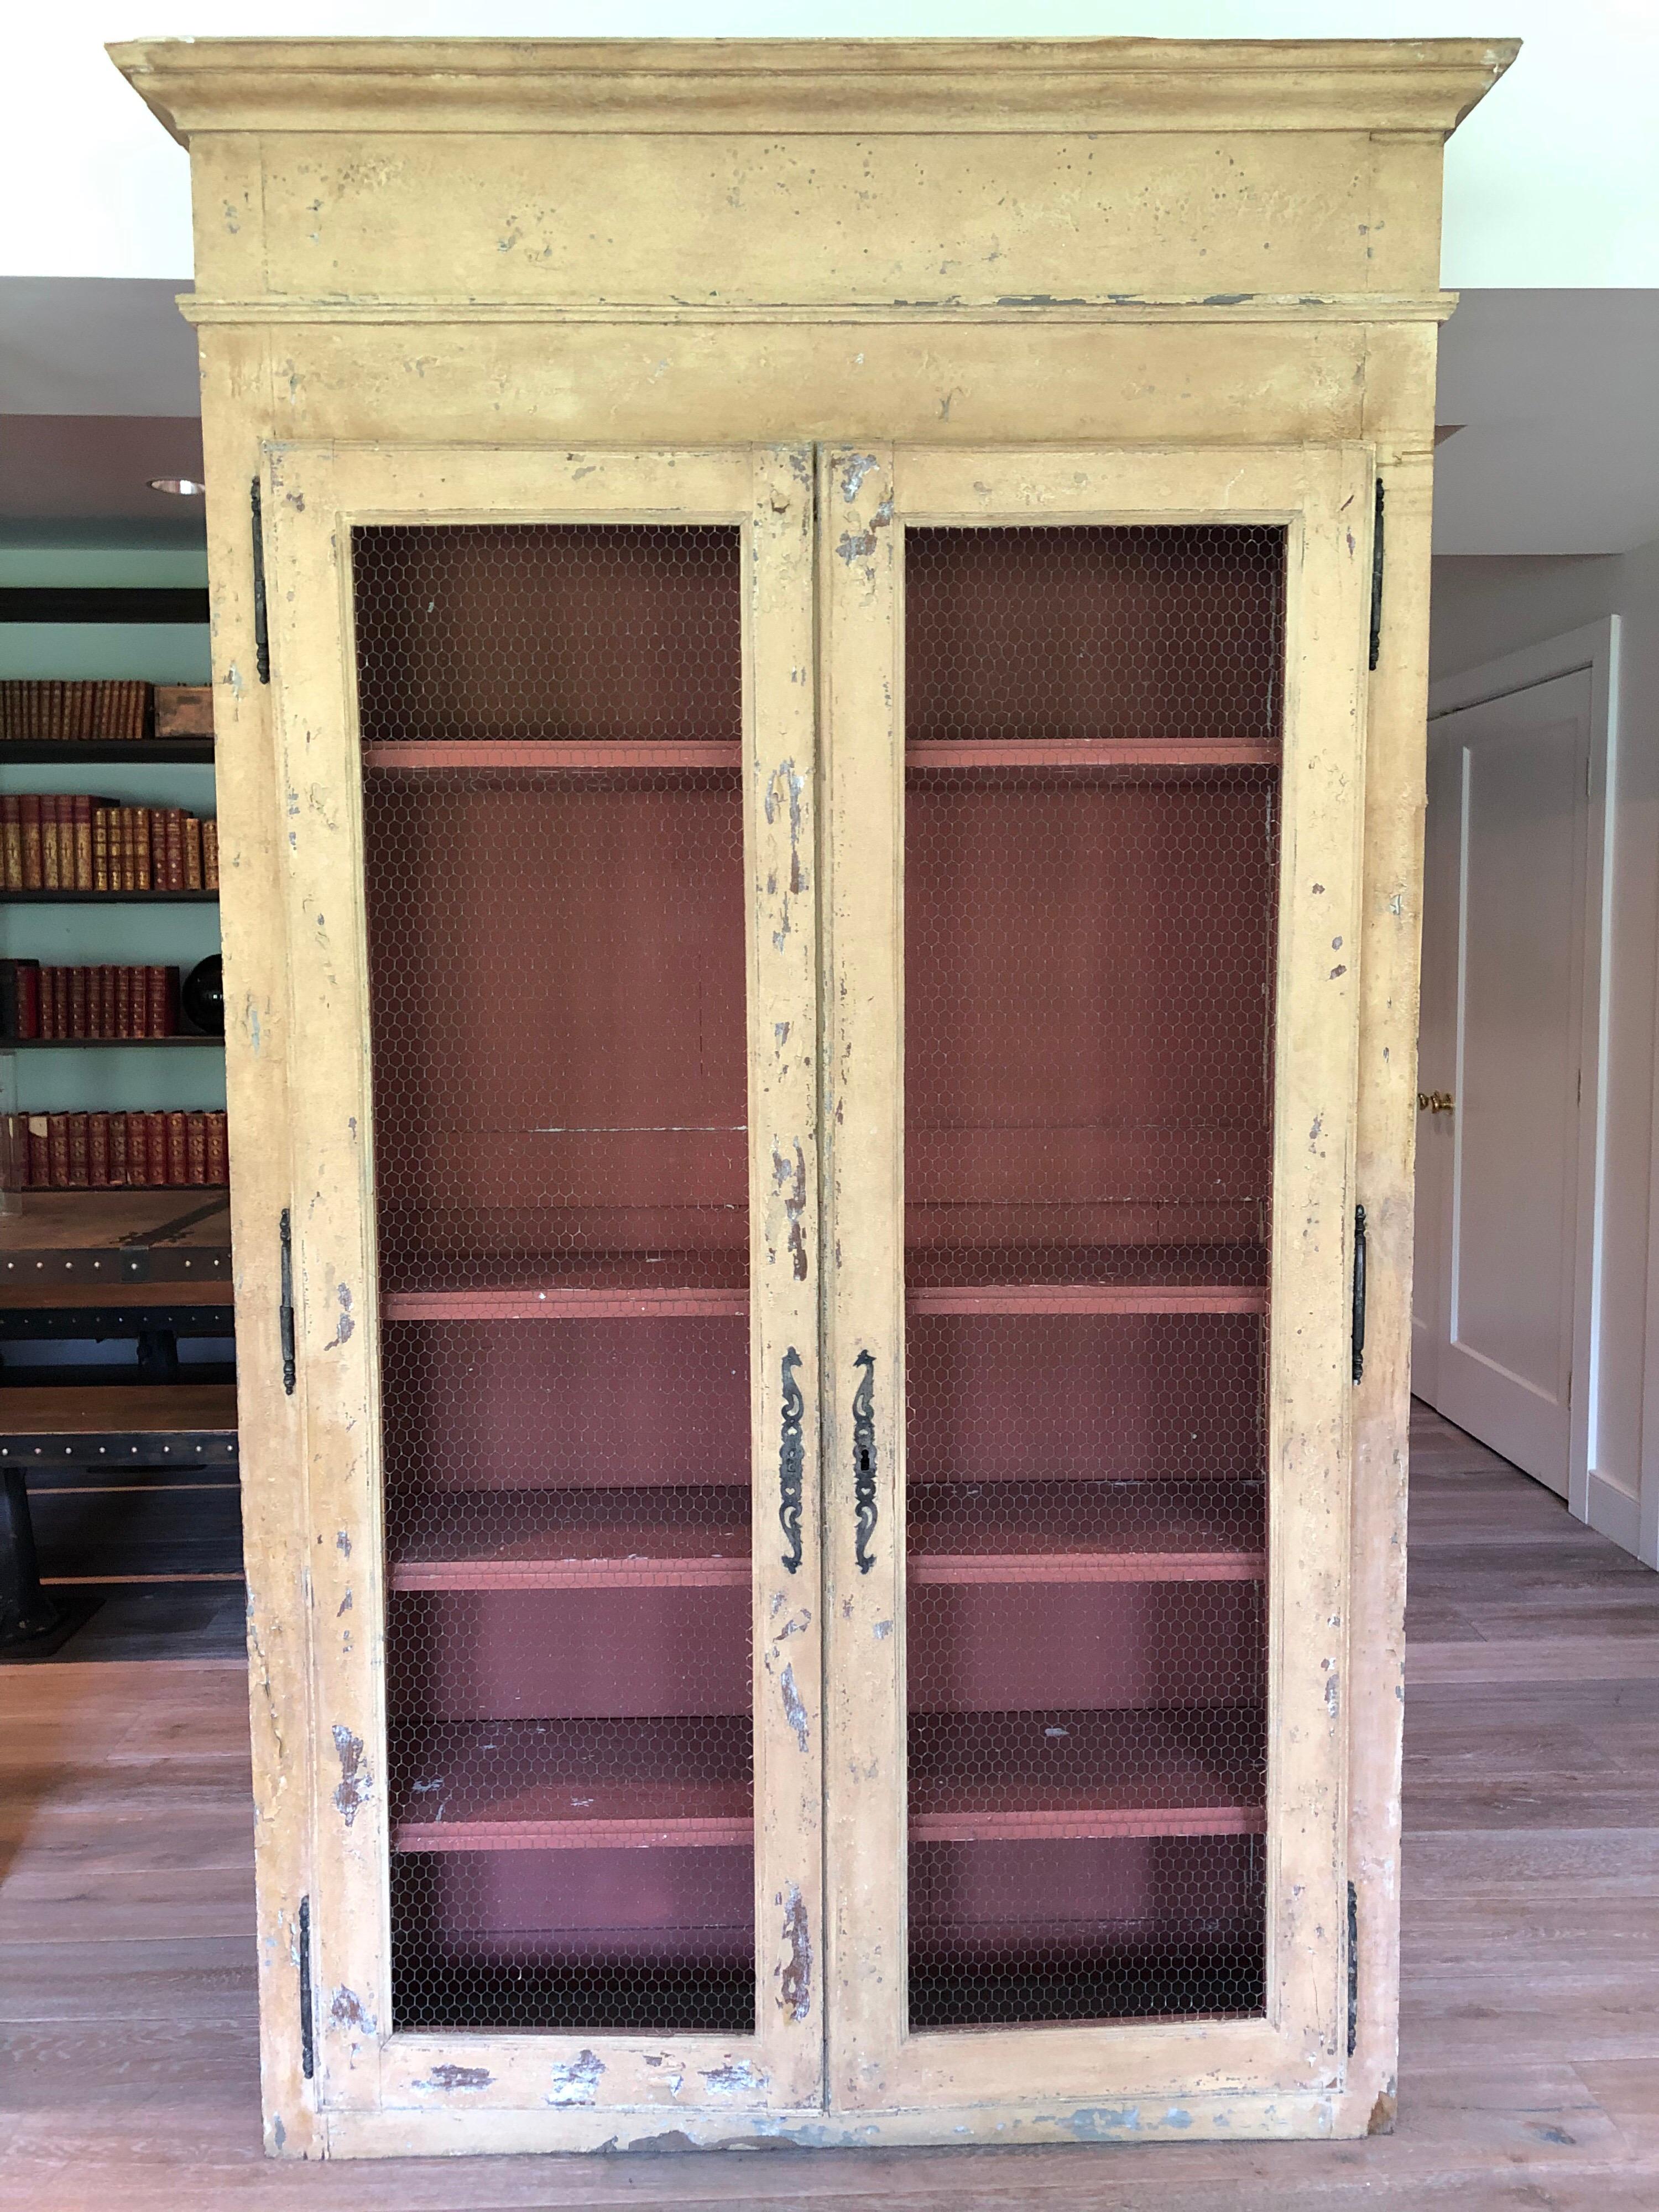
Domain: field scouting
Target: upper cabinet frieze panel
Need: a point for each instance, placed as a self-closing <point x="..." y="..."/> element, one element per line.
<point x="804" y="176"/>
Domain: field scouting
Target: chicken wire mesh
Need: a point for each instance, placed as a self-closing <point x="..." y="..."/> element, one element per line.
<point x="1091" y="883"/>
<point x="551" y="719"/>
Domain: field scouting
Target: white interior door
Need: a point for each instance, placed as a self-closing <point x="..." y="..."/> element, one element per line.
<point x="1503" y="1062"/>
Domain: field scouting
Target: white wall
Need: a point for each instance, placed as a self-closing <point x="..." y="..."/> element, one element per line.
<point x="1485" y="607"/>
<point x="1552" y="181"/>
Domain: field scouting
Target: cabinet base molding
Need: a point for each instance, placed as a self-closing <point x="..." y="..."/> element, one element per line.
<point x="1254" y="2117"/>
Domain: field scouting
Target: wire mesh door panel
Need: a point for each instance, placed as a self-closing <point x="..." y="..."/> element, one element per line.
<point x="1088" y="1083"/>
<point x="1100" y="1334"/>
<point x="559" y="841"/>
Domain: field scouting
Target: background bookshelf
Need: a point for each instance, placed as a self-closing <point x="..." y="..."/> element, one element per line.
<point x="117" y="1376"/>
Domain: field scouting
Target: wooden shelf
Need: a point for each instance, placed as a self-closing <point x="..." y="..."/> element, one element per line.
<point x="1089" y="1298"/>
<point x="642" y="1556"/>
<point x="560" y="1301"/>
<point x="551" y="756"/>
<point x="111" y="1239"/>
<point x="1077" y="1776"/>
<point x="160" y="752"/>
<point x="1092" y="752"/>
<point x="106" y="1044"/>
<point x="187" y="1422"/>
<point x="578" y="1785"/>
<point x="98" y="1297"/>
<point x="109" y="898"/>
<point x="606" y="1785"/>
<point x="963" y="1567"/>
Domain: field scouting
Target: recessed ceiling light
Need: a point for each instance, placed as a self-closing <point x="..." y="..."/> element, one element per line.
<point x="181" y="487"/>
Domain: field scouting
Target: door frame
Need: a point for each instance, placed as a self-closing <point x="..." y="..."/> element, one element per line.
<point x="1594" y="646"/>
<point x="582" y="2082"/>
<point x="868" y="494"/>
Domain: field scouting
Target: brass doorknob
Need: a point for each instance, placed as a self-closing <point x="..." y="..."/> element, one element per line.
<point x="1434" y="1102"/>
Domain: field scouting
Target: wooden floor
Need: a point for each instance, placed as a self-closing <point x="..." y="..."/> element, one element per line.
<point x="1530" y="2059"/>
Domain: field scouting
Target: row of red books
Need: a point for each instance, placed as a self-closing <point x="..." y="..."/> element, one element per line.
<point x="35" y="708"/>
<point x="117" y="1151"/>
<point x="109" y="1003"/>
<point x="75" y="843"/>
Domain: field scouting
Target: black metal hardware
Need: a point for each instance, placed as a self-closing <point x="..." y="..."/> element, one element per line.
<point x="1353" y="1968"/>
<point x="1358" y="1293"/>
<point x="864" y="1460"/>
<point x="792" y="1461"/>
<point x="285" y="1312"/>
<point x="1377" y="578"/>
<point x="308" y="2046"/>
<point x="261" y="634"/>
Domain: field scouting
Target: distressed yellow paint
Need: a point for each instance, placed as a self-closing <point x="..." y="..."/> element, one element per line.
<point x="815" y="288"/>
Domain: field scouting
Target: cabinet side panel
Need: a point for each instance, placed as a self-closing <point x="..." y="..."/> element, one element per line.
<point x="1392" y="872"/>
<point x="274" y="1499"/>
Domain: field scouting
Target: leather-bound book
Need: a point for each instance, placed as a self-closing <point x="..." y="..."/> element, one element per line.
<point x="28" y="807"/>
<point x="11" y="840"/>
<point x="80" y="1152"/>
<point x="50" y="880"/>
<point x="218" y="1149"/>
<point x="175" y="849"/>
<point x="20" y="998"/>
<point x="162" y="997"/>
<point x="144" y="878"/>
<point x="81" y="829"/>
<point x="138" y="1151"/>
<point x="195" y="1148"/>
<point x="57" y="1150"/>
<point x="210" y="855"/>
<point x="98" y="1150"/>
<point x="39" y="1152"/>
<point x="78" y="980"/>
<point x="178" y="1149"/>
<point x="118" y="1151"/>
<point x="192" y="853"/>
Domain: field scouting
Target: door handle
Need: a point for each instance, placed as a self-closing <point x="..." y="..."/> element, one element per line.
<point x="1435" y="1102"/>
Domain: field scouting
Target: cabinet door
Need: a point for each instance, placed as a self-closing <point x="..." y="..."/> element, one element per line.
<point x="547" y="735"/>
<point x="1093" y="726"/>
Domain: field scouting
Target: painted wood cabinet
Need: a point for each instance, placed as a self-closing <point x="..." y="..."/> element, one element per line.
<point x="820" y="651"/>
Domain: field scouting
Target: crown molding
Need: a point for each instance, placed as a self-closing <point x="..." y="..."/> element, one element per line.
<point x="856" y="87"/>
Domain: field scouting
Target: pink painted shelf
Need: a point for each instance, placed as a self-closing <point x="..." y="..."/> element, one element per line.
<point x="551" y="754"/>
<point x="1090" y="752"/>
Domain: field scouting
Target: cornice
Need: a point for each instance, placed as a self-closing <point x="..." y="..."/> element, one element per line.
<point x="859" y="88"/>
<point x="1220" y="307"/>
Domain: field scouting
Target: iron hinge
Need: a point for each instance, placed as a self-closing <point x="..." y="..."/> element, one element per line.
<point x="1353" y="1968"/>
<point x="308" y="2046"/>
<point x="285" y="1310"/>
<point x="1357" y="1321"/>
<point x="1376" y="577"/>
<point x="261" y="631"/>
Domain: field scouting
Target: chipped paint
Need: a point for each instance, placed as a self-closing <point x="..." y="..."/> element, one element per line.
<point x="355" y="1786"/>
<point x="850" y="548"/>
<point x="577" y="2080"/>
<point x="795" y="1986"/>
<point x="345" y="1325"/>
<point x="855" y="469"/>
<point x="794" y="1711"/>
<point x="457" y="2077"/>
<point x="737" y="2080"/>
<point x="347" y="2011"/>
